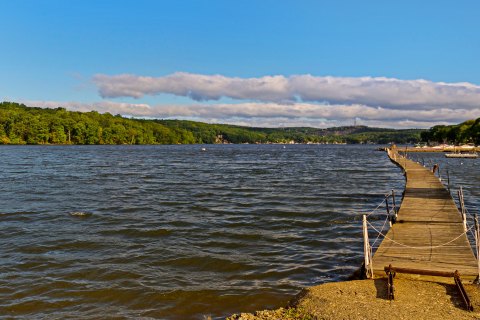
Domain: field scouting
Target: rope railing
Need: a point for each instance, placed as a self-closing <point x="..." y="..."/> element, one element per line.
<point x="469" y="221"/>
<point x="418" y="247"/>
<point x="391" y="218"/>
<point x="379" y="233"/>
<point x="471" y="227"/>
<point x="374" y="211"/>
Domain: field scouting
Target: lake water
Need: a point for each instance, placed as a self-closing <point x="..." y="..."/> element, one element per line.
<point x="175" y="232"/>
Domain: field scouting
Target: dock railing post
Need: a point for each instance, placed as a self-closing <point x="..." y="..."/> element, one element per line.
<point x="459" y="200"/>
<point x="388" y="209"/>
<point x="366" y="249"/>
<point x="448" y="180"/>
<point x="393" y="199"/>
<point x="462" y="208"/>
<point x="477" y="248"/>
<point x="395" y="211"/>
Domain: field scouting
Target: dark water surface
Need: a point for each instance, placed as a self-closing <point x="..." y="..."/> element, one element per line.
<point x="174" y="232"/>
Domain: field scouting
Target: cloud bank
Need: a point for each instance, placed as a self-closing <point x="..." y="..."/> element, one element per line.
<point x="389" y="93"/>
<point x="275" y="114"/>
<point x="301" y="100"/>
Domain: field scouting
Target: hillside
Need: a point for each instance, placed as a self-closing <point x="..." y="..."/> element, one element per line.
<point x="20" y="124"/>
<point x="465" y="132"/>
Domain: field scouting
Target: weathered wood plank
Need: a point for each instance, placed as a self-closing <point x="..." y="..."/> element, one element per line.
<point x="429" y="231"/>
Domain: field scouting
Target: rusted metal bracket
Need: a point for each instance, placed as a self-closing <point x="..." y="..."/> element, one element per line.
<point x="461" y="289"/>
<point x="390" y="288"/>
<point x="391" y="272"/>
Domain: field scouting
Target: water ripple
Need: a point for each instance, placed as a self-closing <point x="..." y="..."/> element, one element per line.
<point x="171" y="232"/>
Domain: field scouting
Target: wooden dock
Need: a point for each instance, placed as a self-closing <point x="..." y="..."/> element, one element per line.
<point x="429" y="233"/>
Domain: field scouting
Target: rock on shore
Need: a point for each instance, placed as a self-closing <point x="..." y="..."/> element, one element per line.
<point x="367" y="299"/>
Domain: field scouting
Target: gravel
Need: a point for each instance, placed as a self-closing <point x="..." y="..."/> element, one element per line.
<point x="367" y="299"/>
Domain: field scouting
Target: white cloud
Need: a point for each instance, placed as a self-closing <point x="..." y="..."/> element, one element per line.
<point x="138" y="109"/>
<point x="385" y="92"/>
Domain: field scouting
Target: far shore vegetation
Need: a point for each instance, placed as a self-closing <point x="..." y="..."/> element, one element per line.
<point x="465" y="132"/>
<point x="20" y="124"/>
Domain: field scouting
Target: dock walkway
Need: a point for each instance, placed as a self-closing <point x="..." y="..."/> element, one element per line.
<point x="429" y="232"/>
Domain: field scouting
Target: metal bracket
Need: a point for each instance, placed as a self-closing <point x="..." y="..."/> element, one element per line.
<point x="390" y="288"/>
<point x="461" y="289"/>
<point x="391" y="272"/>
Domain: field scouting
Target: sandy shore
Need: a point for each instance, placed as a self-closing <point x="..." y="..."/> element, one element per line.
<point x="366" y="299"/>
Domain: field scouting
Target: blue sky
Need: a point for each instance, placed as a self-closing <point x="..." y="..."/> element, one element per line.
<point x="333" y="59"/>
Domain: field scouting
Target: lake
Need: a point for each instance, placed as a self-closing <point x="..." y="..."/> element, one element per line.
<point x="177" y="232"/>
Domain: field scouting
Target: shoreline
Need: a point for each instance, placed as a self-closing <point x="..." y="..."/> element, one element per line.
<point x="433" y="149"/>
<point x="367" y="299"/>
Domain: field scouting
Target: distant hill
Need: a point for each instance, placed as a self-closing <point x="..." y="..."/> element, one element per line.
<point x="465" y="132"/>
<point x="20" y="124"/>
<point x="347" y="134"/>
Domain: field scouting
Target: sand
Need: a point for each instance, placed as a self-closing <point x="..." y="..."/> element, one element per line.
<point x="367" y="299"/>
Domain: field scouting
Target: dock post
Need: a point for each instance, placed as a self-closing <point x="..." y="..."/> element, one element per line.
<point x="477" y="248"/>
<point x="462" y="208"/>
<point x="448" y="180"/>
<point x="460" y="200"/>
<point x="395" y="210"/>
<point x="394" y="203"/>
<point x="366" y="249"/>
<point x="388" y="209"/>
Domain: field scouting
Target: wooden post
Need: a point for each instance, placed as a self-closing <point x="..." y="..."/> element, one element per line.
<point x="462" y="208"/>
<point x="394" y="203"/>
<point x="459" y="195"/>
<point x="448" y="180"/>
<point x="366" y="246"/>
<point x="388" y="209"/>
<point x="477" y="247"/>
<point x="395" y="209"/>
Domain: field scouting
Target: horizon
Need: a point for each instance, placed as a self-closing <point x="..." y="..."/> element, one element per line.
<point x="257" y="64"/>
<point x="220" y="123"/>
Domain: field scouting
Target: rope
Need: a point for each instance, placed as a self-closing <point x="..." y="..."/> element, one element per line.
<point x="471" y="233"/>
<point x="374" y="210"/>
<point x="419" y="247"/>
<point x="466" y="211"/>
<point x="378" y="236"/>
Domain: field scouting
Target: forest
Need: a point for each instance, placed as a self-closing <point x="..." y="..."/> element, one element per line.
<point x="20" y="124"/>
<point x="465" y="132"/>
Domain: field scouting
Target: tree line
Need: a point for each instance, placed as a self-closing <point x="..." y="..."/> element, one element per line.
<point x="20" y="124"/>
<point x="465" y="132"/>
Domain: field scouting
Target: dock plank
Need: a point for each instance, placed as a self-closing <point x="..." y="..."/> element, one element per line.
<point x="429" y="232"/>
